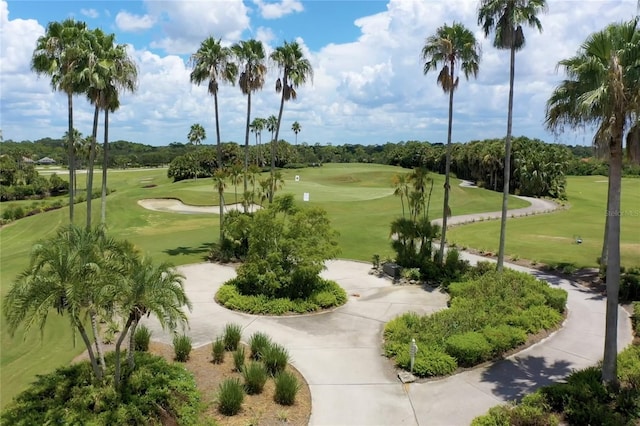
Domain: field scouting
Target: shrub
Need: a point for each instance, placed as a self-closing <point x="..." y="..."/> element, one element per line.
<point x="536" y="318"/>
<point x="182" y="347"/>
<point x="217" y="351"/>
<point x="555" y="298"/>
<point x="141" y="338"/>
<point x="630" y="285"/>
<point x="636" y="318"/>
<point x="232" y="334"/>
<point x="255" y="377"/>
<point x="287" y="387"/>
<point x="497" y="416"/>
<point x="238" y="358"/>
<point x="504" y="337"/>
<point x="428" y="363"/>
<point x="275" y="358"/>
<point x="469" y="348"/>
<point x="230" y="397"/>
<point x="69" y="396"/>
<point x="259" y="343"/>
<point x="411" y="274"/>
<point x="325" y="299"/>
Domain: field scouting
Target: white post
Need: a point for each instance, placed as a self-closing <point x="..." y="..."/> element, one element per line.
<point x="413" y="349"/>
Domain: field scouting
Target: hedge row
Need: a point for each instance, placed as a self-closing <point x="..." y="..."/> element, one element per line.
<point x="327" y="295"/>
<point x="488" y="315"/>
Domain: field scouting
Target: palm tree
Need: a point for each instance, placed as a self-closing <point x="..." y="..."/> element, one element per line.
<point x="196" y="134"/>
<point x="60" y="54"/>
<point x="401" y="188"/>
<point x="214" y="63"/>
<point x="296" y="70"/>
<point x="220" y="182"/>
<point x="505" y="18"/>
<point x="296" y="129"/>
<point x="450" y="46"/>
<point x="149" y="289"/>
<point x="121" y="74"/>
<point x="603" y="89"/>
<point x="252" y="57"/>
<point x="71" y="272"/>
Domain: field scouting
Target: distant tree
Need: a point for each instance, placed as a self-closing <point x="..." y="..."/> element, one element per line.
<point x="450" y="46"/>
<point x="505" y="18"/>
<point x="196" y="134"/>
<point x="296" y="129"/>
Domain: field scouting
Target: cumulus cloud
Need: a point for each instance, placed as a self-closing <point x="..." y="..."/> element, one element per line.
<point x="90" y="13"/>
<point x="279" y="9"/>
<point x="126" y="21"/>
<point x="368" y="90"/>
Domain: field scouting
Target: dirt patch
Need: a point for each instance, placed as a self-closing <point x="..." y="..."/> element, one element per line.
<point x="256" y="409"/>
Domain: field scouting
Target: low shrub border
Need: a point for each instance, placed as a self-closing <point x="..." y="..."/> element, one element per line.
<point x="327" y="295"/>
<point x="489" y="314"/>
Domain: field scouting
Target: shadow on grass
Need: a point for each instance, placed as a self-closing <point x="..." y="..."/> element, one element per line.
<point x="514" y="378"/>
<point x="183" y="251"/>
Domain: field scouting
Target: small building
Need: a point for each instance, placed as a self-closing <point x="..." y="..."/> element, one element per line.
<point x="46" y="161"/>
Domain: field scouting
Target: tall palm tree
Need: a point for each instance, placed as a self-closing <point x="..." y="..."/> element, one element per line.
<point x="296" y="70"/>
<point x="214" y="63"/>
<point x="121" y="75"/>
<point x="505" y="18"/>
<point x="296" y="129"/>
<point x="149" y="289"/>
<point x="60" y="53"/>
<point x="251" y="56"/>
<point x="450" y="46"/>
<point x="401" y="188"/>
<point x="603" y="89"/>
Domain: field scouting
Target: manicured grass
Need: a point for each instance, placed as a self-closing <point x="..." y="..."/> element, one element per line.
<point x="551" y="238"/>
<point x="358" y="198"/>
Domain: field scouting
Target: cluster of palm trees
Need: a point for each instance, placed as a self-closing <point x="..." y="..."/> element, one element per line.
<point x="86" y="275"/>
<point x="83" y="61"/>
<point x="602" y="89"/>
<point x="245" y="63"/>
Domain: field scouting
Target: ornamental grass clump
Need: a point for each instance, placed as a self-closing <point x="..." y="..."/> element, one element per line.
<point x="182" y="347"/>
<point x="217" y="351"/>
<point x="287" y="387"/>
<point x="230" y="397"/>
<point x="232" y="335"/>
<point x="255" y="376"/>
<point x="259" y="343"/>
<point x="275" y="358"/>
<point x="238" y="358"/>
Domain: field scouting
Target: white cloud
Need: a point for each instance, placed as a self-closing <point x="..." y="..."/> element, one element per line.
<point x="126" y="21"/>
<point x="368" y="90"/>
<point x="90" y="13"/>
<point x="278" y="9"/>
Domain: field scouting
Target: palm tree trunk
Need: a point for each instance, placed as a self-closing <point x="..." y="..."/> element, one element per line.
<point x="605" y="244"/>
<point x="105" y="162"/>
<point x="219" y="153"/>
<point x="221" y="202"/>
<point x="609" y="363"/>
<point x="71" y="155"/>
<point x="123" y="334"/>
<point x="132" y="344"/>
<point x="507" y="164"/>
<point x="275" y="140"/>
<point x="447" y="168"/>
<point x="92" y="159"/>
<point x="87" y="343"/>
<point x="98" y="342"/>
<point x="246" y="146"/>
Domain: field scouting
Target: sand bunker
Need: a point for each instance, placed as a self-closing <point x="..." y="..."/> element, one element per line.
<point x="173" y="205"/>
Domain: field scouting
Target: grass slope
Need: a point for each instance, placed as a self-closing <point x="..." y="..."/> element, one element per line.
<point x="358" y="198"/>
<point x="551" y="238"/>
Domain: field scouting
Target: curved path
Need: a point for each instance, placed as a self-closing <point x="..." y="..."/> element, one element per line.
<point x="352" y="383"/>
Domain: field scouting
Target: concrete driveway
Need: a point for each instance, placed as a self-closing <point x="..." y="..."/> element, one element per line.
<point x="352" y="383"/>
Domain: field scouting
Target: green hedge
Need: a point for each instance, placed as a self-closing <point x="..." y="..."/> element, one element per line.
<point x="327" y="294"/>
<point x="489" y="314"/>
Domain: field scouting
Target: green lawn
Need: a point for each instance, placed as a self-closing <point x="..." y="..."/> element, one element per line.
<point x="551" y="238"/>
<point x="358" y="198"/>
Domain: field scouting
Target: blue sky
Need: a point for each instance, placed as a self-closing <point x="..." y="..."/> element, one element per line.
<point x="368" y="84"/>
